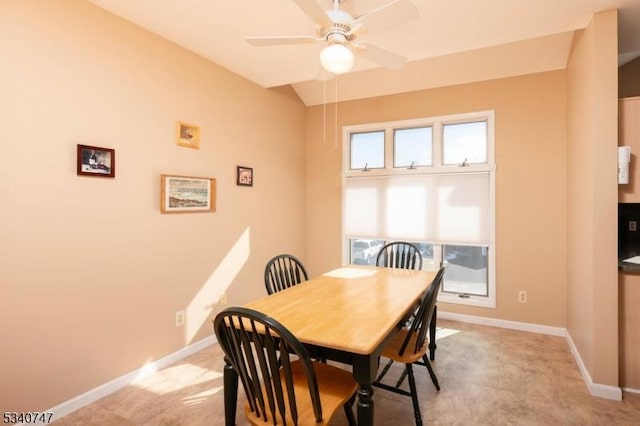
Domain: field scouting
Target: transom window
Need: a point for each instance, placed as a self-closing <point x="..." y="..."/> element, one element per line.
<point x="412" y="147"/>
<point x="428" y="181"/>
<point x="464" y="143"/>
<point x="367" y="150"/>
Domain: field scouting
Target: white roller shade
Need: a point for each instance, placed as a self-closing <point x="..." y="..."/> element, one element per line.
<point x="437" y="208"/>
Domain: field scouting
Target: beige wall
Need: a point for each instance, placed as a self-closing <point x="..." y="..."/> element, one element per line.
<point x="592" y="307"/>
<point x="530" y="184"/>
<point x="91" y="273"/>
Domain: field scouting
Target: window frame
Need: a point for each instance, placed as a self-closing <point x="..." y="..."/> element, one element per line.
<point x="384" y="153"/>
<point x="437" y="167"/>
<point x="393" y="143"/>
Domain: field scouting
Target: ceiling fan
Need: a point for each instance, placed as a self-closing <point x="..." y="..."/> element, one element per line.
<point x="340" y="31"/>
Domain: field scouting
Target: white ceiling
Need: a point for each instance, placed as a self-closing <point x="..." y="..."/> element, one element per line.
<point x="451" y="42"/>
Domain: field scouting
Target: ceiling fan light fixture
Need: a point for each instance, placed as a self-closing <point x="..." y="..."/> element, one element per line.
<point x="336" y="58"/>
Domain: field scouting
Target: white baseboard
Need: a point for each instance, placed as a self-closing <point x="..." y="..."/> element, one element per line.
<point x="596" y="389"/>
<point x="513" y="325"/>
<point x="110" y="387"/>
<point x="631" y="390"/>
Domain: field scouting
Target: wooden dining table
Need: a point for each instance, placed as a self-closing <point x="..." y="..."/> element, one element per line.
<point x="344" y="315"/>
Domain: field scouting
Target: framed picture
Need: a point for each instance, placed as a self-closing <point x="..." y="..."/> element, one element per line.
<point x="187" y="135"/>
<point x="185" y="194"/>
<point x="245" y="176"/>
<point x="96" y="161"/>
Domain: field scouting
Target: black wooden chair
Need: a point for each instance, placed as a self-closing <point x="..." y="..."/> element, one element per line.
<point x="282" y="272"/>
<point x="282" y="384"/>
<point x="409" y="346"/>
<point x="399" y="254"/>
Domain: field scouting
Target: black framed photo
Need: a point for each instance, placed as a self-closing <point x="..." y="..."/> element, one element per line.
<point x="244" y="176"/>
<point x="96" y="161"/>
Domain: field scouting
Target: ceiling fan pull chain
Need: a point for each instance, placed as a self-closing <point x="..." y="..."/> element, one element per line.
<point x="324" y="111"/>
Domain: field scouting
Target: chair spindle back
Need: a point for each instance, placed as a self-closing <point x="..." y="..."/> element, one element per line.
<point x="259" y="348"/>
<point x="400" y="254"/>
<point x="282" y="272"/>
<point x="420" y="325"/>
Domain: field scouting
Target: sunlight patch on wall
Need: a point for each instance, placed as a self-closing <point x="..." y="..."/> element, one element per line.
<point x="146" y="371"/>
<point x="201" y="306"/>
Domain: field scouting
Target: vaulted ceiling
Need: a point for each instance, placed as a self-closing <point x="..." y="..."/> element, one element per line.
<point x="450" y="42"/>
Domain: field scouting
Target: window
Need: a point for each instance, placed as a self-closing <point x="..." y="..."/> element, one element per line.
<point x="465" y="143"/>
<point x="412" y="147"/>
<point x="431" y="182"/>
<point x="367" y="150"/>
<point x="364" y="252"/>
<point x="466" y="270"/>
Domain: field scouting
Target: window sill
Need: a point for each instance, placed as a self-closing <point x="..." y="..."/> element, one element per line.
<point x="482" y="302"/>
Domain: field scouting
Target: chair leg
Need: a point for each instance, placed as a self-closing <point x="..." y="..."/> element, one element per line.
<point x="434" y="379"/>
<point x="432" y="333"/>
<point x="414" y="395"/>
<point x="348" y="410"/>
<point x="384" y="370"/>
<point x="401" y="379"/>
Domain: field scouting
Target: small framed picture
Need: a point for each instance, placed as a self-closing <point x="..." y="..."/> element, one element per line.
<point x="96" y="161"/>
<point x="184" y="194"/>
<point x="245" y="176"/>
<point x="187" y="135"/>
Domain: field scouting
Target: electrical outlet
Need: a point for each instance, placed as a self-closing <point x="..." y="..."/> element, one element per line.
<point x="179" y="318"/>
<point x="522" y="296"/>
<point x="633" y="225"/>
<point x="223" y="299"/>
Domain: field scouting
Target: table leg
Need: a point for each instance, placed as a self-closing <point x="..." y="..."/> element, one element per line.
<point x="230" y="383"/>
<point x="365" y="368"/>
<point x="365" y="405"/>
<point x="432" y="334"/>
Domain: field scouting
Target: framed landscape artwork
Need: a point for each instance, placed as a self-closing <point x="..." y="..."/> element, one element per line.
<point x="96" y="161"/>
<point x="185" y="194"/>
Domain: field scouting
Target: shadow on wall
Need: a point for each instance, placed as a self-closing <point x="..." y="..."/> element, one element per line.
<point x="199" y="309"/>
<point x="629" y="79"/>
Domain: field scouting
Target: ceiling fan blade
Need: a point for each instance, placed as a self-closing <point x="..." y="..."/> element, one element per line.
<point x="312" y="9"/>
<point x="388" y="15"/>
<point x="380" y="56"/>
<point x="279" y="40"/>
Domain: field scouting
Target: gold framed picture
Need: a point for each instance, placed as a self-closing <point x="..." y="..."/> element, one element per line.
<point x="185" y="194"/>
<point x="187" y="135"/>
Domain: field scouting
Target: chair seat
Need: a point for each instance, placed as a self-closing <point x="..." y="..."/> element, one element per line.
<point x="336" y="387"/>
<point x="392" y="349"/>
